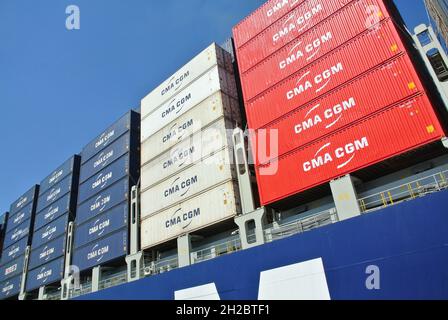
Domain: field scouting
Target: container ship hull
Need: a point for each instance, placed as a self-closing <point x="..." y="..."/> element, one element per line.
<point x="399" y="252"/>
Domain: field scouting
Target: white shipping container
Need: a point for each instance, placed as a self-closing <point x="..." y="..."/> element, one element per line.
<point x="217" y="106"/>
<point x="211" y="82"/>
<point x="204" y="175"/>
<point x="212" y="56"/>
<point x="198" y="146"/>
<point x="211" y="207"/>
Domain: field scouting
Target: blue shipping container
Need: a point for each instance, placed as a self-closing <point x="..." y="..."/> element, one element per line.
<point x="17" y="234"/>
<point x="107" y="137"/>
<point x="104" y="201"/>
<point x="45" y="275"/>
<point x="51" y="231"/>
<point x="26" y="198"/>
<point x="46" y="253"/>
<point x="11" y="269"/>
<point x="104" y="179"/>
<point x="103" y="225"/>
<point x="55" y="193"/>
<point x="100" y="252"/>
<point x="105" y="158"/>
<point x="58" y="175"/>
<point x="14" y="251"/>
<point x="19" y="217"/>
<point x="52" y="212"/>
<point x="10" y="288"/>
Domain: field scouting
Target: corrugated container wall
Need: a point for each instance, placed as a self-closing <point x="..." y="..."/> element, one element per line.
<point x="186" y="146"/>
<point x="56" y="208"/>
<point x="325" y="84"/>
<point x="110" y="168"/>
<point x="18" y="235"/>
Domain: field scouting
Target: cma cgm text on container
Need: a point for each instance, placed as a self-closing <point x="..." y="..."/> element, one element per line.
<point x="56" y="208"/>
<point x="325" y="37"/>
<point x="110" y="168"/>
<point x="341" y="65"/>
<point x="17" y="238"/>
<point x="374" y="139"/>
<point x="394" y="82"/>
<point x="310" y="75"/>
<point x="211" y="56"/>
<point x="185" y="140"/>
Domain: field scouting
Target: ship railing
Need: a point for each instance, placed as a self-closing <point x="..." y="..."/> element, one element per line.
<point x="160" y="266"/>
<point x="56" y="295"/>
<point x="113" y="280"/>
<point x="232" y="245"/>
<point x="83" y="289"/>
<point x="318" y="220"/>
<point x="405" y="192"/>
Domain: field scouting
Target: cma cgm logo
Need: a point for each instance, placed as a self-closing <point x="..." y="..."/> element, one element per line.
<point x="180" y="217"/>
<point x="180" y="186"/>
<point x="55" y="177"/>
<point x="19" y="218"/>
<point x="175" y="83"/>
<point x="308" y="50"/>
<point x="18" y="233"/>
<point x="51" y="212"/>
<point x="53" y="194"/>
<point x="97" y="253"/>
<point x="177" y="131"/>
<point x="7" y="288"/>
<point x="103" y="159"/>
<point x="44" y="274"/>
<point x="325" y="155"/>
<point x="100" y="203"/>
<point x="104" y="139"/>
<point x="306" y="82"/>
<point x="330" y="115"/>
<point x="12" y="253"/>
<point x="277" y="7"/>
<point x="175" y="106"/>
<point x="22" y="202"/>
<point x="102" y="180"/>
<point x="46" y="253"/>
<point x="49" y="232"/>
<point x="99" y="227"/>
<point x="179" y="157"/>
<point x="296" y="23"/>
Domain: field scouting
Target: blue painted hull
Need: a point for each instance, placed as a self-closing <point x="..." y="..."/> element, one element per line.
<point x="408" y="243"/>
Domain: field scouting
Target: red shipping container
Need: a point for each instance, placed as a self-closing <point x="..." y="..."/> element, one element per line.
<point x="363" y="53"/>
<point x="296" y="23"/>
<point x="339" y="28"/>
<point x="380" y="137"/>
<point x="375" y="90"/>
<point x="262" y="18"/>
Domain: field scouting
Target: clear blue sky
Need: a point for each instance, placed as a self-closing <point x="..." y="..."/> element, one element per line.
<point x="60" y="88"/>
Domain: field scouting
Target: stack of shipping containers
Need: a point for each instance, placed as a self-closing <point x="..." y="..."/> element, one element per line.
<point x="110" y="167"/>
<point x="334" y="80"/>
<point x="187" y="172"/>
<point x="19" y="227"/>
<point x="56" y="208"/>
<point x="3" y="219"/>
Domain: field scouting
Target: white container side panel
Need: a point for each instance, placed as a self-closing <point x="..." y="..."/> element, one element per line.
<point x="217" y="106"/>
<point x="188" y="152"/>
<point x="216" y="205"/>
<point x="212" y="56"/>
<point x="188" y="183"/>
<point x="211" y="82"/>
